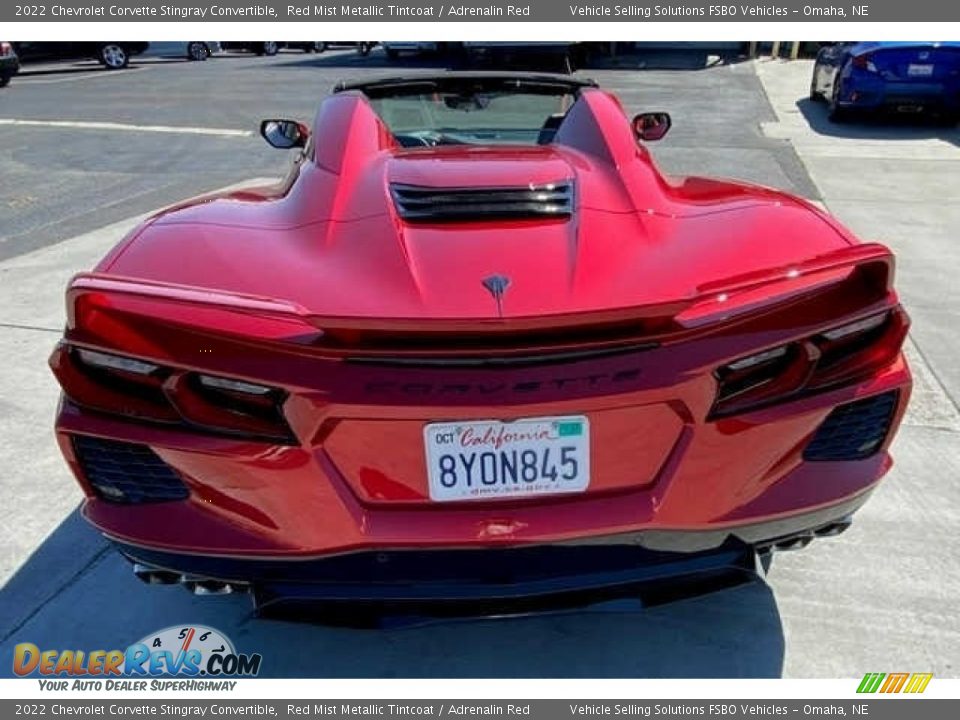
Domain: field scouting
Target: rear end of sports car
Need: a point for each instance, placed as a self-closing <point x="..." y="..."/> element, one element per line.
<point x="231" y="442"/>
<point x="902" y="78"/>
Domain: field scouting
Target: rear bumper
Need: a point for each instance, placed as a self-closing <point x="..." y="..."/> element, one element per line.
<point x="902" y="96"/>
<point x="652" y="565"/>
<point x="744" y="477"/>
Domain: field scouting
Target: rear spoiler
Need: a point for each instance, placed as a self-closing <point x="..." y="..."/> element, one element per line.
<point x="254" y="318"/>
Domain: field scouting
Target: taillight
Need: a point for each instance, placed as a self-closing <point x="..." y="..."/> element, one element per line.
<point x="126" y="365"/>
<point x="855" y="349"/>
<point x="761" y="378"/>
<point x="864" y="62"/>
<point x="834" y="356"/>
<point x="144" y="390"/>
<point x="238" y="387"/>
<point x="233" y="406"/>
<point x="113" y="383"/>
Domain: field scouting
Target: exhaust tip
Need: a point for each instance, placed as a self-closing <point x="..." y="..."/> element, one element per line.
<point x="834" y="528"/>
<point x="211" y="586"/>
<point x="795" y="543"/>
<point x="155" y="576"/>
<point x="197" y="585"/>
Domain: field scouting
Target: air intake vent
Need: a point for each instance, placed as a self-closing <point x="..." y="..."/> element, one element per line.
<point x="429" y="204"/>
<point x="853" y="431"/>
<point x="127" y="472"/>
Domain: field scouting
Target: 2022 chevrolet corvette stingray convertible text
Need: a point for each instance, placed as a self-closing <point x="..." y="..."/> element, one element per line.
<point x="475" y="347"/>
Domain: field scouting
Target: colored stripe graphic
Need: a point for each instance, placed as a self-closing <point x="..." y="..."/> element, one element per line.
<point x="894" y="683"/>
<point x="188" y="639"/>
<point x="918" y="682"/>
<point x="870" y="682"/>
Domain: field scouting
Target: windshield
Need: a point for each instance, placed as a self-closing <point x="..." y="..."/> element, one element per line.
<point x="473" y="116"/>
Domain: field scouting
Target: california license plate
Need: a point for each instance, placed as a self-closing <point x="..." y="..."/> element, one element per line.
<point x="491" y="459"/>
<point x="915" y="70"/>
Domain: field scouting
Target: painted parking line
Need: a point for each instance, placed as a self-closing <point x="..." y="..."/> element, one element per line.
<point x="35" y="77"/>
<point x="931" y="405"/>
<point x="125" y="127"/>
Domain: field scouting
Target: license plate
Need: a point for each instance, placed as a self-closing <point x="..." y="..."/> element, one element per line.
<point x="490" y="459"/>
<point x="914" y="70"/>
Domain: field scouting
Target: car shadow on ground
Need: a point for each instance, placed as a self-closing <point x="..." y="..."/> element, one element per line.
<point x="76" y="592"/>
<point x="877" y="126"/>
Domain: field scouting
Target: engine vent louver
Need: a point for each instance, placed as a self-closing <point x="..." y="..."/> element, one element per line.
<point x="432" y="204"/>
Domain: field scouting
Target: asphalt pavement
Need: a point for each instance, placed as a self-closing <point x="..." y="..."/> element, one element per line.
<point x="84" y="152"/>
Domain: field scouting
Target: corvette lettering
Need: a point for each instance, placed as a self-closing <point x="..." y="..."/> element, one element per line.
<point x="591" y="380"/>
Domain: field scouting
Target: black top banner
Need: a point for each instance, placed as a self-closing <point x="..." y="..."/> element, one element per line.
<point x="572" y="11"/>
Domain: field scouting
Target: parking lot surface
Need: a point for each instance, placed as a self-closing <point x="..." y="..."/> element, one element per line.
<point x="84" y="152"/>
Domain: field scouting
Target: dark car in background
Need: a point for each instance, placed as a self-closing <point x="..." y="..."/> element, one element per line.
<point x="363" y="48"/>
<point x="199" y="51"/>
<point x="902" y="77"/>
<point x="551" y="55"/>
<point x="270" y="48"/>
<point x="112" y="55"/>
<point x="9" y="63"/>
<point x="257" y="48"/>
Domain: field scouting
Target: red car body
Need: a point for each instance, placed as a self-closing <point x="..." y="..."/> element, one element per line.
<point x="735" y="351"/>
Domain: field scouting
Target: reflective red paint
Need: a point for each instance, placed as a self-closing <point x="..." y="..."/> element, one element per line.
<point x="366" y="327"/>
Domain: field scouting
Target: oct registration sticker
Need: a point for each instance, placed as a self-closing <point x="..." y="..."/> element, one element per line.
<point x="482" y="460"/>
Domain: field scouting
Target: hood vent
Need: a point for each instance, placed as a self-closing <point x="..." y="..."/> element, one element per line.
<point x="430" y="204"/>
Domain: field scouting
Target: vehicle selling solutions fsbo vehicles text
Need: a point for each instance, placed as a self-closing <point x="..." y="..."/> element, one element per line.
<point x="648" y="11"/>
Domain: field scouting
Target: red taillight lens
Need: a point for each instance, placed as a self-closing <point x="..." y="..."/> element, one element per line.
<point x="140" y="389"/>
<point x="230" y="405"/>
<point x="837" y="355"/>
<point x="855" y="349"/>
<point x="114" y="384"/>
<point x="764" y="377"/>
<point x="864" y="62"/>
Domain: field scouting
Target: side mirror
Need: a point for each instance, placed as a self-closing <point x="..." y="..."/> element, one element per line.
<point x="284" y="134"/>
<point x="650" y="126"/>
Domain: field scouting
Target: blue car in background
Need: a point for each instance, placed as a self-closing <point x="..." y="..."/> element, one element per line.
<point x="902" y="77"/>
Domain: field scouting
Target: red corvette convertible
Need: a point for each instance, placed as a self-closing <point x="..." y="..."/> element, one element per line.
<point x="476" y="348"/>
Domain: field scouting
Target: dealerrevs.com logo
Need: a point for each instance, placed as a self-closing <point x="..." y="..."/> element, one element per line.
<point x="180" y="651"/>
